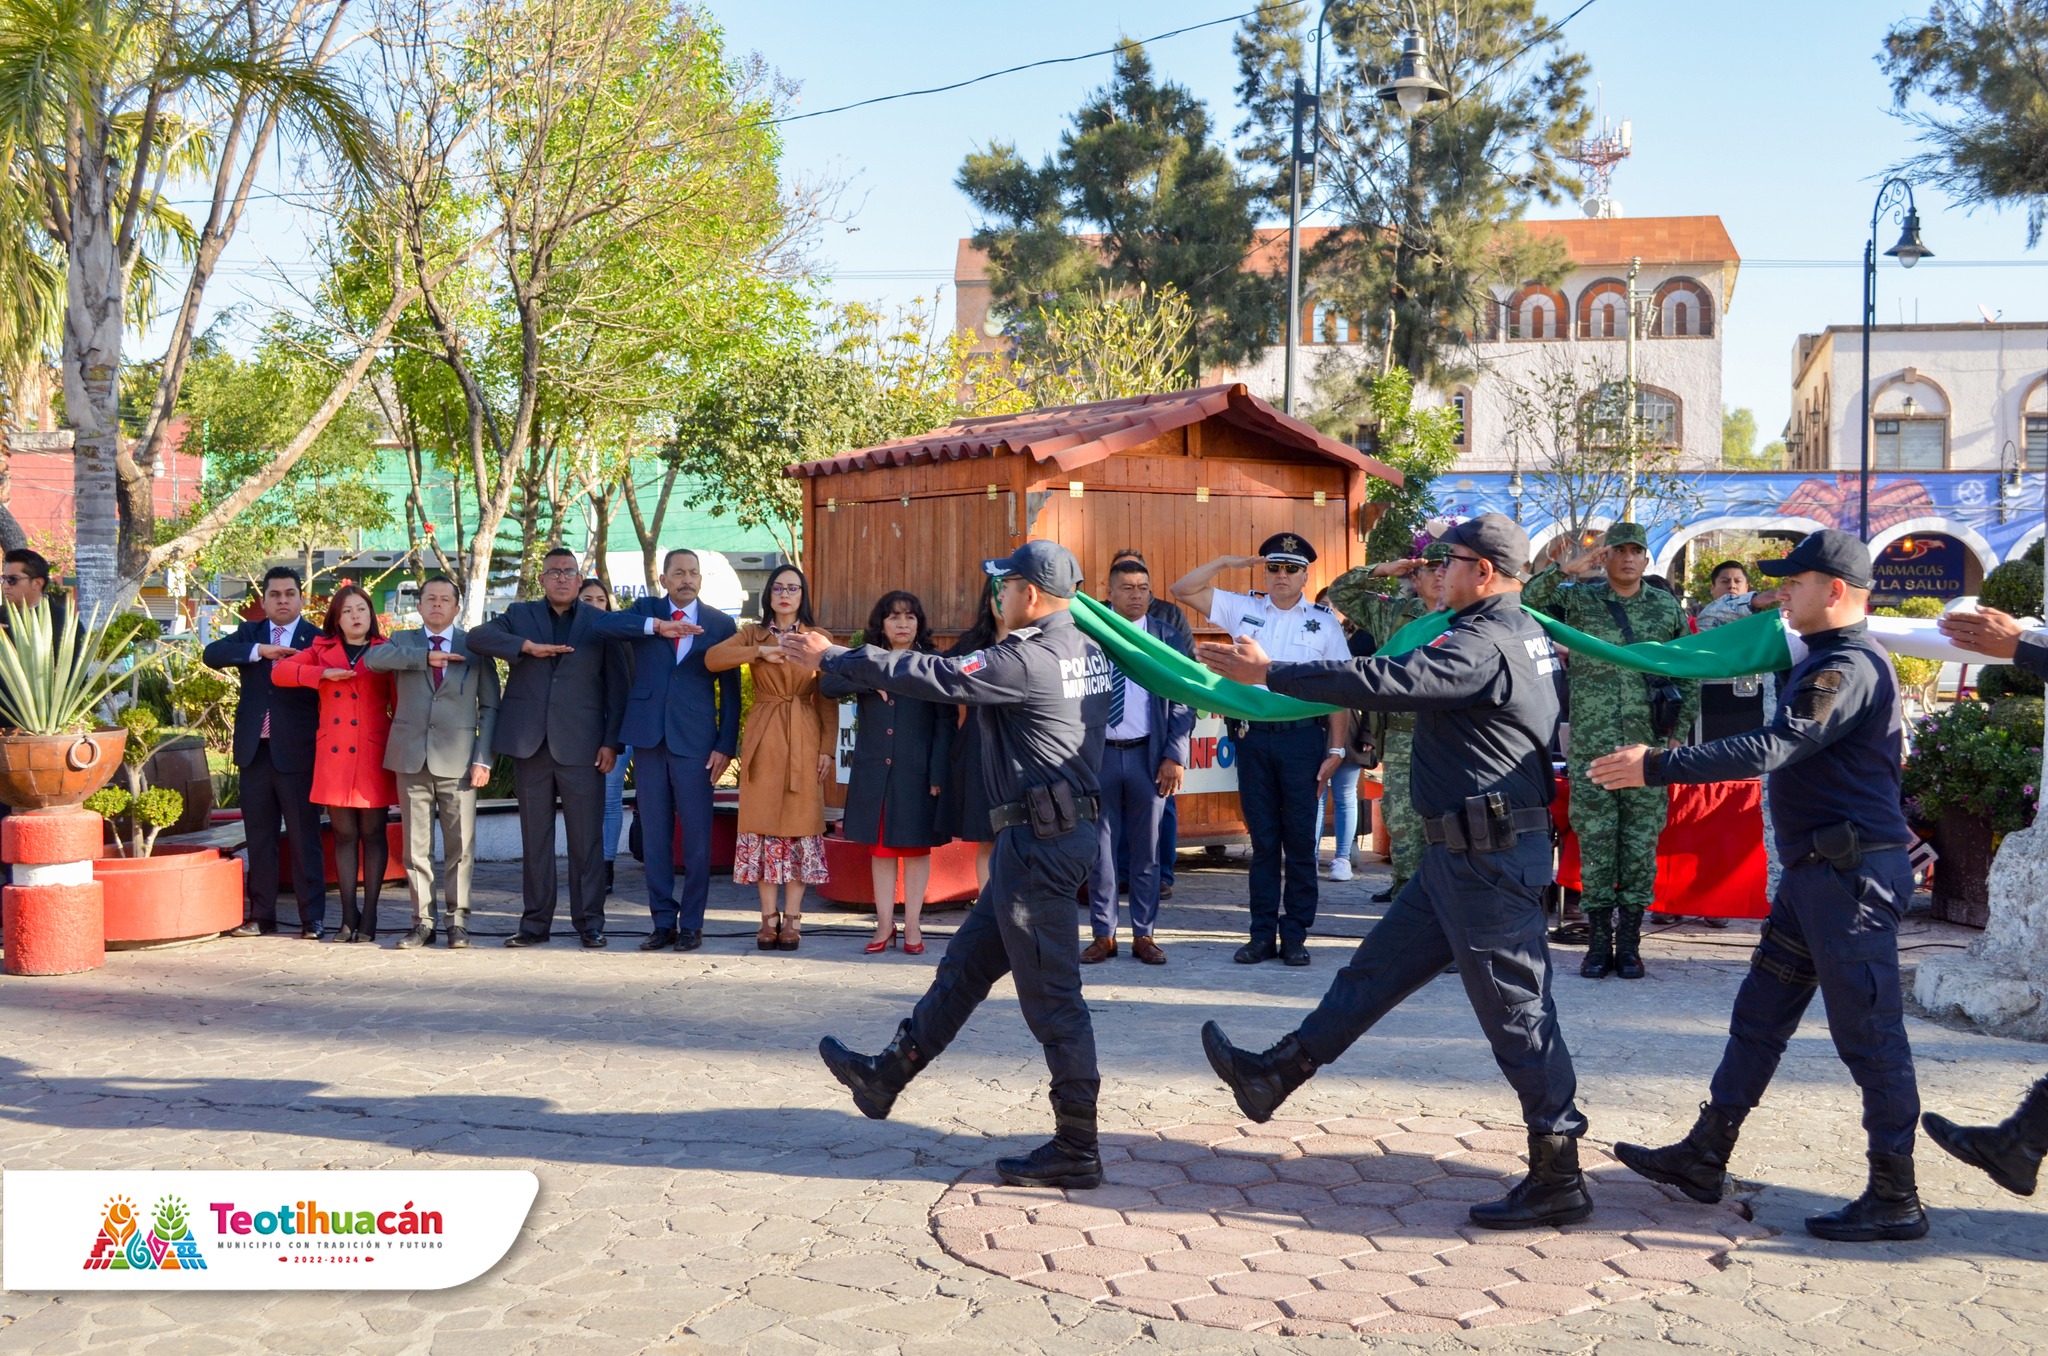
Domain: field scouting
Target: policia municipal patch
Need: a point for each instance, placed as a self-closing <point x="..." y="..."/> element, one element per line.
<point x="1816" y="696"/>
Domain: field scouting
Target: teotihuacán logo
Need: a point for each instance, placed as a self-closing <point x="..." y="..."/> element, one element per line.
<point x="401" y="1230"/>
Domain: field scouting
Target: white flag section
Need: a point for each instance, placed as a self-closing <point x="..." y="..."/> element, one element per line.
<point x="400" y="1230"/>
<point x="1911" y="637"/>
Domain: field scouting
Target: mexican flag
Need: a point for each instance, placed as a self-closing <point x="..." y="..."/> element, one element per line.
<point x="1756" y="644"/>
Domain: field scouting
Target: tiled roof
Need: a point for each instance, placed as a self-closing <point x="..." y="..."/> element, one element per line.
<point x="1073" y="436"/>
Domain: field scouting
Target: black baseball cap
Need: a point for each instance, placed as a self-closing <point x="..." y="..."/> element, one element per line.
<point x="1047" y="564"/>
<point x="1828" y="551"/>
<point x="1495" y="537"/>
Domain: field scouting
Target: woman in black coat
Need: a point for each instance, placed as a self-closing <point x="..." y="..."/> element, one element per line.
<point x="901" y="753"/>
<point x="963" y="811"/>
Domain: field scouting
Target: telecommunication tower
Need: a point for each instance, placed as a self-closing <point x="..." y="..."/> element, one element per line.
<point x="1596" y="157"/>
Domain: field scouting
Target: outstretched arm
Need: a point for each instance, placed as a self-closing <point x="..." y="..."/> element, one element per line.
<point x="996" y="676"/>
<point x="1197" y="588"/>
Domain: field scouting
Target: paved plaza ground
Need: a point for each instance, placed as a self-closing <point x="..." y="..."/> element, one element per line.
<point x="706" y="1187"/>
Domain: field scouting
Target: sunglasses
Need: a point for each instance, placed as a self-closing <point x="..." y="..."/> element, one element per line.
<point x="1469" y="560"/>
<point x="14" y="581"/>
<point x="1282" y="567"/>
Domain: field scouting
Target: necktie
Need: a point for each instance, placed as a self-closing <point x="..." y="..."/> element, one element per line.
<point x="435" y="675"/>
<point x="1116" y="696"/>
<point x="278" y="636"/>
<point x="677" y="615"/>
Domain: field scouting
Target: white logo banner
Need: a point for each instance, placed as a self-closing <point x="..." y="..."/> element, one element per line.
<point x="257" y="1230"/>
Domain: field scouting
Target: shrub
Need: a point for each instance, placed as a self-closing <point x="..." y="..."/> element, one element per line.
<point x="1979" y="759"/>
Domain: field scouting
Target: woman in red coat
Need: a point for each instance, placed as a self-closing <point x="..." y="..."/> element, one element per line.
<point x="349" y="777"/>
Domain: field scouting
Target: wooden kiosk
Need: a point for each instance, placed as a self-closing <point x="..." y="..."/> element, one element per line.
<point x="1182" y="477"/>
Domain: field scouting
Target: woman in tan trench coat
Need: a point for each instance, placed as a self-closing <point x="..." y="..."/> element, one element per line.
<point x="785" y="756"/>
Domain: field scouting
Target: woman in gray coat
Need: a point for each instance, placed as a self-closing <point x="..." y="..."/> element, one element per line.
<point x="900" y="753"/>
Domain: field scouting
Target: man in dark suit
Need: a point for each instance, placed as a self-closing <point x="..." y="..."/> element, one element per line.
<point x="1144" y="754"/>
<point x="559" y="720"/>
<point x="274" y="734"/>
<point x="684" y="725"/>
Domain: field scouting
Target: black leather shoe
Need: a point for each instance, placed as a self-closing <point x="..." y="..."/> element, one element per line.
<point x="1069" y="1159"/>
<point x="422" y="934"/>
<point x="1294" y="953"/>
<point x="1385" y="896"/>
<point x="1888" y="1210"/>
<point x="2010" y="1151"/>
<point x="659" y="939"/>
<point x="458" y="938"/>
<point x="595" y="940"/>
<point x="1165" y="892"/>
<point x="1697" y="1164"/>
<point x="1259" y="1082"/>
<point x="522" y="939"/>
<point x="1251" y="953"/>
<point x="1553" y="1193"/>
<point x="689" y="939"/>
<point x="252" y="928"/>
<point x="874" y="1080"/>
<point x="313" y="932"/>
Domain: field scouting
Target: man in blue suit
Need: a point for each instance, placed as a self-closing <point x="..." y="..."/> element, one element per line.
<point x="1144" y="753"/>
<point x="683" y="723"/>
<point x="274" y="733"/>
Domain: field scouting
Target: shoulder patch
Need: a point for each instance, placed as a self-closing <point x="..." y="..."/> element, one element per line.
<point x="973" y="663"/>
<point x="1816" y="695"/>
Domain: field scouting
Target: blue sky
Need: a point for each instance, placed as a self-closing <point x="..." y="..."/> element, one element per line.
<point x="1773" y="116"/>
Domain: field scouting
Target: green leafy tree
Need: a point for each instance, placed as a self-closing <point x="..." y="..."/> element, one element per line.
<point x="1141" y="168"/>
<point x="1104" y="345"/>
<point x="1983" y="66"/>
<point x="1427" y="209"/>
<point x="1738" y="444"/>
<point x="1421" y="443"/>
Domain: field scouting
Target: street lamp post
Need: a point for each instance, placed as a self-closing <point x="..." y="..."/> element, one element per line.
<point x="1896" y="195"/>
<point x="1412" y="88"/>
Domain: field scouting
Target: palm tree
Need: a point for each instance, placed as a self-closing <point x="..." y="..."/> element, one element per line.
<point x="102" y="104"/>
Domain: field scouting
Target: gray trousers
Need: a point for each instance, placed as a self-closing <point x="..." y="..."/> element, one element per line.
<point x="424" y="799"/>
<point x="1484" y="913"/>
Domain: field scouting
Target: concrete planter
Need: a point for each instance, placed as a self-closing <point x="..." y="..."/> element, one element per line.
<point x="174" y="895"/>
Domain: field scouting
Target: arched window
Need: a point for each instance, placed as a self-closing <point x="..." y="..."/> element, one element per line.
<point x="1603" y="310"/>
<point x="1656" y="422"/>
<point x="1682" y="310"/>
<point x="1537" y="312"/>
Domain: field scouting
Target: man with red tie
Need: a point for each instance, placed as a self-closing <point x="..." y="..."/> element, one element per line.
<point x="683" y="723"/>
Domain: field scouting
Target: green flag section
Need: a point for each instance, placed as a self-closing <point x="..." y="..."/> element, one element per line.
<point x="1756" y="644"/>
<point x="1159" y="668"/>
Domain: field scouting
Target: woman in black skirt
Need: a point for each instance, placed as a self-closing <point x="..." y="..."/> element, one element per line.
<point x="963" y="810"/>
<point x="902" y="749"/>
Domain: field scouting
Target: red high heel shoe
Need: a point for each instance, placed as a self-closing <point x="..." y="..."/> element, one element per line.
<point x="877" y="948"/>
<point x="914" y="948"/>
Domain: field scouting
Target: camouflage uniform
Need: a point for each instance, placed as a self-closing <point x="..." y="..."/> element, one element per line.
<point x="1610" y="709"/>
<point x="1356" y="595"/>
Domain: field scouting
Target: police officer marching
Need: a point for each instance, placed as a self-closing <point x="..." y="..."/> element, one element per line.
<point x="1832" y="757"/>
<point x="1045" y="694"/>
<point x="1486" y="708"/>
<point x="1282" y="766"/>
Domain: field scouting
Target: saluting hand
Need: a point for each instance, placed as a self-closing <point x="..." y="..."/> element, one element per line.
<point x="1243" y="661"/>
<point x="670" y="629"/>
<point x="1397" y="569"/>
<point x="1986" y="631"/>
<point x="338" y="675"/>
<point x="533" y="649"/>
<point x="1620" y="770"/>
<point x="275" y="651"/>
<point x="1592" y="563"/>
<point x="806" y="649"/>
<point x="441" y="659"/>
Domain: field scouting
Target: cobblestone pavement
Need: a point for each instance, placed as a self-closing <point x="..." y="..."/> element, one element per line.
<point x="705" y="1187"/>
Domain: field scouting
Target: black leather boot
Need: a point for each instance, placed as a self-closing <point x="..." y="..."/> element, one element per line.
<point x="2010" y="1151"/>
<point x="1553" y="1193"/>
<point x="1259" y="1082"/>
<point x="1888" y="1209"/>
<point x="1599" y="944"/>
<point x="1697" y="1164"/>
<point x="1628" y="943"/>
<point x="1068" y="1159"/>
<point x="875" y="1080"/>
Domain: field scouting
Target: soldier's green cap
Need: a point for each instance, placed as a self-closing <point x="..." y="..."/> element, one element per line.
<point x="1436" y="553"/>
<point x="1628" y="534"/>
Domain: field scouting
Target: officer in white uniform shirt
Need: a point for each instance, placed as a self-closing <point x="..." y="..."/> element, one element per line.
<point x="1282" y="766"/>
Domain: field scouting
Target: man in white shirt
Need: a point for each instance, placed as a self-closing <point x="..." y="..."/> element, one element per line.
<point x="1282" y="766"/>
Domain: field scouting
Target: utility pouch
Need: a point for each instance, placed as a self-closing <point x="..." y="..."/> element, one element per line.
<point x="1488" y="825"/>
<point x="1051" y="810"/>
<point x="1839" y="845"/>
<point x="1368" y="739"/>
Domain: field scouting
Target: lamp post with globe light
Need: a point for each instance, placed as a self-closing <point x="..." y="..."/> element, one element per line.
<point x="1897" y="195"/>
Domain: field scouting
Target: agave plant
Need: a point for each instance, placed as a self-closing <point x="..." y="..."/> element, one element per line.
<point x="52" y="684"/>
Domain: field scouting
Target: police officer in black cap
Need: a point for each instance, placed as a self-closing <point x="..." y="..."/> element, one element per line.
<point x="1486" y="708"/>
<point x="1832" y="757"/>
<point x="1282" y="766"/>
<point x="1045" y="691"/>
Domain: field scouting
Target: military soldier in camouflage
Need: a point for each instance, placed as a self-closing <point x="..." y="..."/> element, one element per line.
<point x="1602" y="594"/>
<point x="1359" y="595"/>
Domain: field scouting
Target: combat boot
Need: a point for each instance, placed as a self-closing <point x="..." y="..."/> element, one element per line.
<point x="875" y="1080"/>
<point x="1069" y="1159"/>
<point x="2010" y="1151"/>
<point x="1599" y="944"/>
<point x="1888" y="1209"/>
<point x="1628" y="943"/>
<point x="1554" y="1192"/>
<point x="1697" y="1164"/>
<point x="1259" y="1082"/>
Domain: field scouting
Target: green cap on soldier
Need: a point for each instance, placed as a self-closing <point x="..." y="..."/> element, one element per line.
<point x="1627" y="534"/>
<point x="1436" y="553"/>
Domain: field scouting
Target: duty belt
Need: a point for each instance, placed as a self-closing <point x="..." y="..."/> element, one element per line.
<point x="1015" y="815"/>
<point x="1449" y="830"/>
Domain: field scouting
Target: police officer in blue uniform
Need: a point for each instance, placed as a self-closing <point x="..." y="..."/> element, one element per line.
<point x="1833" y="758"/>
<point x="2010" y="1151"/>
<point x="1282" y="766"/>
<point x="1045" y="697"/>
<point x="1486" y="709"/>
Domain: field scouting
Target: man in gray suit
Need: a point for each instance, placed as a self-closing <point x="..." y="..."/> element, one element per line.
<point x="446" y="714"/>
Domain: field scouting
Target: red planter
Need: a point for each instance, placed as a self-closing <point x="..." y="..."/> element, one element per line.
<point x="173" y="895"/>
<point x="848" y="882"/>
